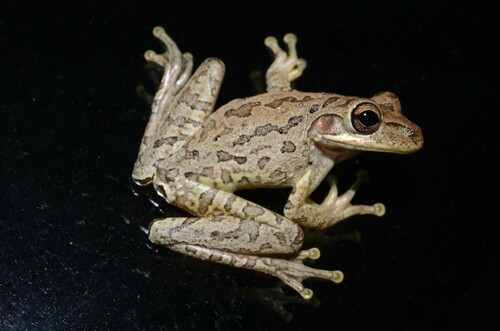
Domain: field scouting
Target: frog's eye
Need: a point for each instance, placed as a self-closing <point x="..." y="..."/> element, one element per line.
<point x="365" y="118"/>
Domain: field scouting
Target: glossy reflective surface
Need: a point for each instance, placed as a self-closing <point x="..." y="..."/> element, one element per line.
<point x="74" y="253"/>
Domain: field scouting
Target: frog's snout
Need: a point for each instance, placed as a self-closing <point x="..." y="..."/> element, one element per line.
<point x="416" y="138"/>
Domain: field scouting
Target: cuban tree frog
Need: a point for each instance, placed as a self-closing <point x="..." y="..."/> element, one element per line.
<point x="196" y="158"/>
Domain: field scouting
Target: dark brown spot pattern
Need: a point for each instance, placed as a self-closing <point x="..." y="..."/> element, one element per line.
<point x="347" y="102"/>
<point x="314" y="108"/>
<point x="229" y="203"/>
<point x="223" y="156"/>
<point x="277" y="173"/>
<point x="168" y="140"/>
<point x="244" y="181"/>
<point x="242" y="140"/>
<point x="299" y="239"/>
<point x="265" y="246"/>
<point x="264" y="130"/>
<point x="240" y="159"/>
<point x="190" y="155"/>
<point x="193" y="100"/>
<point x="262" y="162"/>
<point x="281" y="237"/>
<point x="169" y="175"/>
<point x="276" y="103"/>
<point x="330" y="100"/>
<point x="216" y="256"/>
<point x="288" y="147"/>
<point x="242" y="111"/>
<point x="193" y="122"/>
<point x="206" y="200"/>
<point x="245" y="228"/>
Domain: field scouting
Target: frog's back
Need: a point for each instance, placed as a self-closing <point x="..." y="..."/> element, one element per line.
<point x="258" y="141"/>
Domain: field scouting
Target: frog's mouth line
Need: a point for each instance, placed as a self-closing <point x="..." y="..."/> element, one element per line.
<point x="332" y="144"/>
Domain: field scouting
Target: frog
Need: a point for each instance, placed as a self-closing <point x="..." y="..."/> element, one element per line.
<point x="196" y="157"/>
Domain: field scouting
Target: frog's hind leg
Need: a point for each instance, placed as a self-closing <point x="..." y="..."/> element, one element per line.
<point x="231" y="230"/>
<point x="180" y="105"/>
<point x="285" y="67"/>
<point x="177" y="68"/>
<point x="291" y="271"/>
<point x="244" y="243"/>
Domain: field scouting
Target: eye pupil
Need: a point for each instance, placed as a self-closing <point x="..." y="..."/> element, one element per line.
<point x="368" y="118"/>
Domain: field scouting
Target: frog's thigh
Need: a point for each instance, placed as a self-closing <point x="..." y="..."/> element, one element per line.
<point x="191" y="107"/>
<point x="201" y="90"/>
<point x="228" y="233"/>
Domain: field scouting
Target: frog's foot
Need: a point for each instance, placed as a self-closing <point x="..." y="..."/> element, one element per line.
<point x="285" y="67"/>
<point x="177" y="66"/>
<point x="291" y="272"/>
<point x="335" y="208"/>
<point x="311" y="253"/>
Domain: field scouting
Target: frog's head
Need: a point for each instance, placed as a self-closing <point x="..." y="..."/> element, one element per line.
<point x="343" y="129"/>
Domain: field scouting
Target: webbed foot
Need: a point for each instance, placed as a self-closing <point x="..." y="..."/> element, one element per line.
<point x="334" y="208"/>
<point x="342" y="204"/>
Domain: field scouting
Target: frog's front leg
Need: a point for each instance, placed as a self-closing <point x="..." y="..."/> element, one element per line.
<point x="231" y="230"/>
<point x="334" y="208"/>
<point x="285" y="67"/>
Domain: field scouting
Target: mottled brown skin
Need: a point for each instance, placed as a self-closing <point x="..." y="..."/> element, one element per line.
<point x="197" y="158"/>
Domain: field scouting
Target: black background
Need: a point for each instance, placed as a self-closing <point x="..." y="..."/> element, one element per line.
<point x="74" y="253"/>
